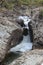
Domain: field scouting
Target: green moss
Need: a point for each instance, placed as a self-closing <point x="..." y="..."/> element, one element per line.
<point x="10" y="3"/>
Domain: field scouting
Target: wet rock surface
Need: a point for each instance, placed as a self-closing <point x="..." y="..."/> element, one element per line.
<point x="13" y="35"/>
<point x="33" y="57"/>
<point x="25" y="31"/>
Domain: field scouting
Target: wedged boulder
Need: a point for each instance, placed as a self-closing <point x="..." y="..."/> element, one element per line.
<point x="10" y="34"/>
<point x="16" y="37"/>
<point x="20" y="22"/>
<point x="33" y="57"/>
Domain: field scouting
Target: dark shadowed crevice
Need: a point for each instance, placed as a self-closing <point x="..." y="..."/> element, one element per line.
<point x="30" y="32"/>
<point x="25" y="31"/>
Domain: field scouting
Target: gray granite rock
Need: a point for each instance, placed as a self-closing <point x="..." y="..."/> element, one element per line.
<point x="36" y="26"/>
<point x="10" y="34"/>
<point x="33" y="57"/>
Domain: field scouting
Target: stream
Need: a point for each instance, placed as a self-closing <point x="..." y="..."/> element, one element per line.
<point x="26" y="43"/>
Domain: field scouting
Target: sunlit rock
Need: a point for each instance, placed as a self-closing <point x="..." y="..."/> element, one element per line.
<point x="9" y="36"/>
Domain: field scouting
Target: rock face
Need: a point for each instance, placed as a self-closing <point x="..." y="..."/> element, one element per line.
<point x="33" y="57"/>
<point x="23" y="10"/>
<point x="16" y="37"/>
<point x="20" y="22"/>
<point x="9" y="32"/>
<point x="37" y="30"/>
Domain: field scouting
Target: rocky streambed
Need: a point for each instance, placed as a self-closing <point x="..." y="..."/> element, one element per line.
<point x="21" y="34"/>
<point x="7" y="28"/>
<point x="26" y="43"/>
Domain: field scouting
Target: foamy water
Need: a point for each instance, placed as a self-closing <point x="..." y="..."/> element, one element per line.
<point x="25" y="43"/>
<point x="42" y="64"/>
<point x="26" y="20"/>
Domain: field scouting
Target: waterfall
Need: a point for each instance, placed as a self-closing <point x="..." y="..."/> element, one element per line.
<point x="26" y="43"/>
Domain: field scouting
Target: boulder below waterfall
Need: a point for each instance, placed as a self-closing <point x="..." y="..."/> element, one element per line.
<point x="34" y="57"/>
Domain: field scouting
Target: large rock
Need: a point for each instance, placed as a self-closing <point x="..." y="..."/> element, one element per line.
<point x="20" y="22"/>
<point x="38" y="33"/>
<point x="33" y="57"/>
<point x="10" y="34"/>
<point x="36" y="30"/>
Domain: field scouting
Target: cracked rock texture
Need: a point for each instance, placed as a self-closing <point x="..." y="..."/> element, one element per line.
<point x="37" y="30"/>
<point x="33" y="57"/>
<point x="9" y="32"/>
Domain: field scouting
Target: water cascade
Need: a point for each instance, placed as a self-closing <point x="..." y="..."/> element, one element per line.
<point x="26" y="43"/>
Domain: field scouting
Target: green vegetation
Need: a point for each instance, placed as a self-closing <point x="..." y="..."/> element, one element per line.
<point x="10" y="3"/>
<point x="28" y="2"/>
<point x="6" y="4"/>
<point x="41" y="14"/>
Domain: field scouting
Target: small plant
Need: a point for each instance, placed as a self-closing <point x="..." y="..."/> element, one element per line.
<point x="41" y="14"/>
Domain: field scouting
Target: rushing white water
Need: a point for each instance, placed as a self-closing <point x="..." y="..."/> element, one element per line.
<point x="25" y="43"/>
<point x="26" y="20"/>
<point x="42" y="64"/>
